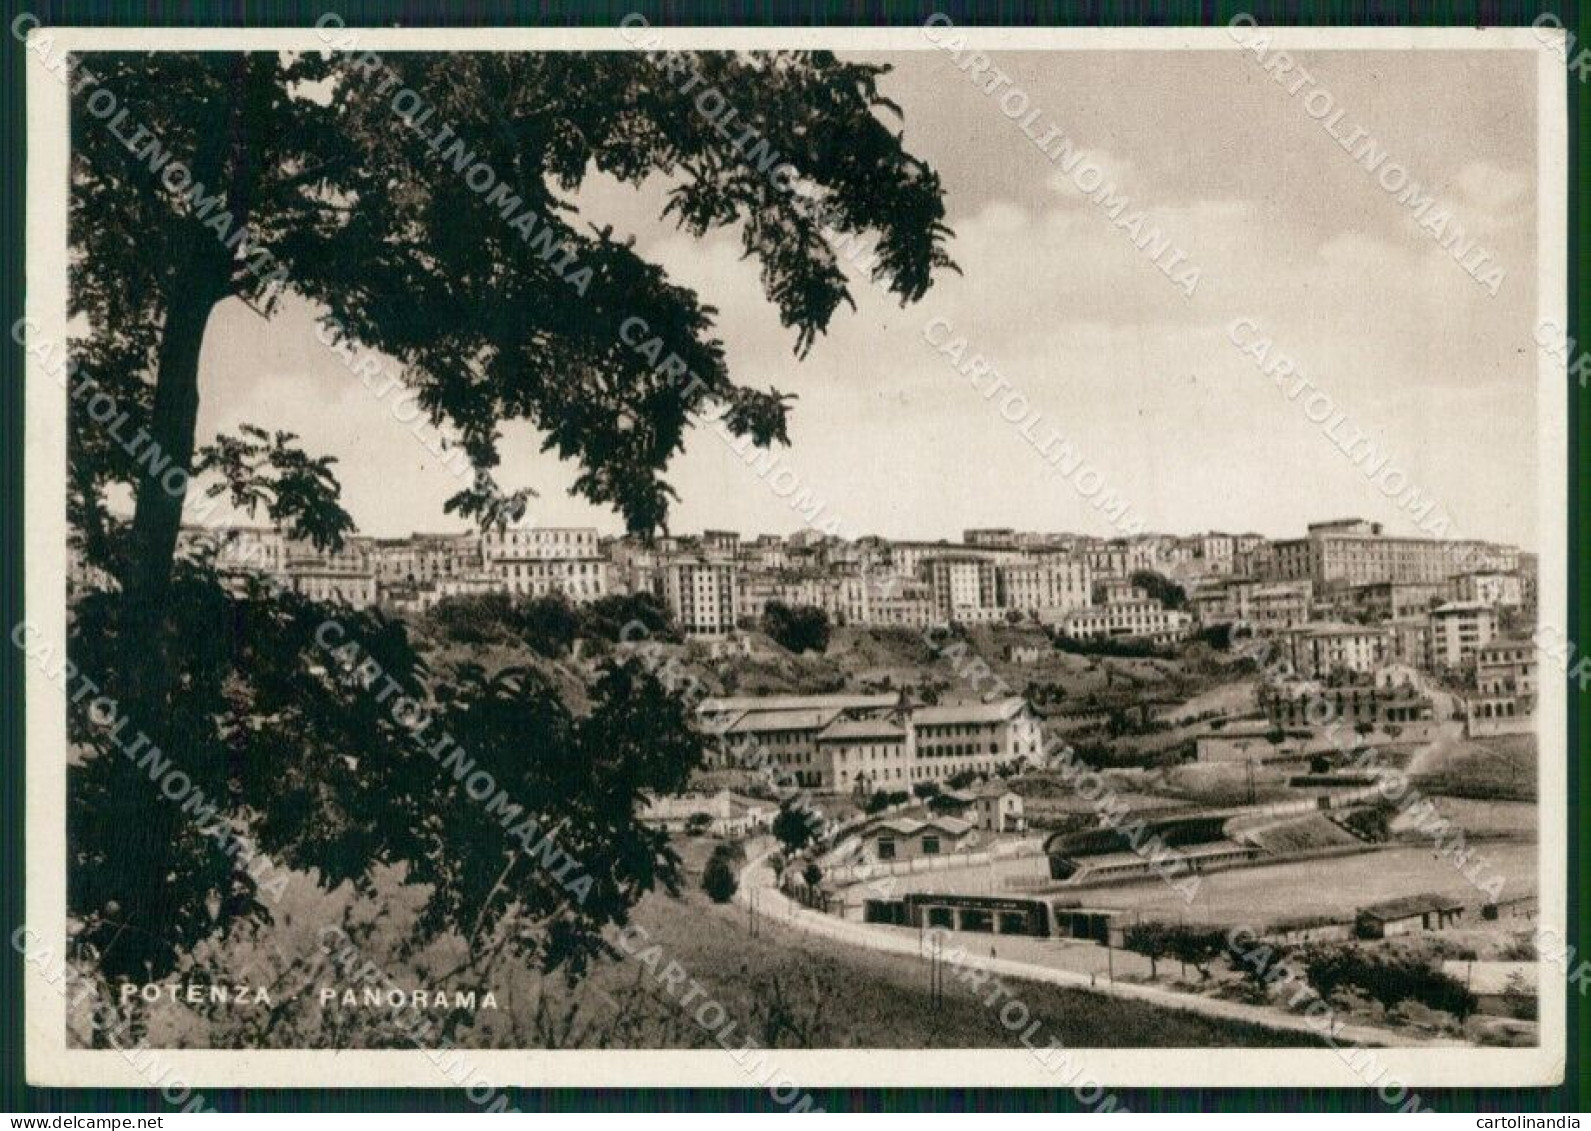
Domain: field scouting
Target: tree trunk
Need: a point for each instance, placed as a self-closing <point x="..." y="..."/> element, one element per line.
<point x="148" y="906"/>
<point x="157" y="518"/>
<point x="149" y="903"/>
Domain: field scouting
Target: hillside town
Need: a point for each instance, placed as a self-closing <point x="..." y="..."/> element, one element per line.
<point x="1346" y="593"/>
<point x="1345" y="601"/>
<point x="1055" y="739"/>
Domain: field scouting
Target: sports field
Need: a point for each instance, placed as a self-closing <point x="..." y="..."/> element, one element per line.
<point x="1333" y="887"/>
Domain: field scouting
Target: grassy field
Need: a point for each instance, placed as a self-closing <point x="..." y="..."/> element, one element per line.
<point x="1310" y="888"/>
<point x="780" y="986"/>
<point x="1501" y="768"/>
<point x="1330" y="889"/>
<point x="792" y="990"/>
<point x="1491" y="818"/>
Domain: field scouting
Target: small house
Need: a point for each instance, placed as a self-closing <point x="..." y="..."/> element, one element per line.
<point x="904" y="838"/>
<point x="1407" y="914"/>
<point x="999" y="809"/>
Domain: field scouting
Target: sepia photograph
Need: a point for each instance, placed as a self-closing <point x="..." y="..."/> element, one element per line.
<point x="795" y="558"/>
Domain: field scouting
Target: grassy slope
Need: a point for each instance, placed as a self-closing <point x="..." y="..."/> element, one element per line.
<point x="789" y="989"/>
<point x="1503" y="768"/>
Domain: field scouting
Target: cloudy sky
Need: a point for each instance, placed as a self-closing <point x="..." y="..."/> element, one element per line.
<point x="1284" y="228"/>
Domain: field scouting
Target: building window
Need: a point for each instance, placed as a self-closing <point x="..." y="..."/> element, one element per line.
<point x="886" y="850"/>
<point x="930" y="846"/>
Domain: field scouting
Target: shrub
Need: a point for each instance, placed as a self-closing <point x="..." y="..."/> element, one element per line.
<point x="1195" y="946"/>
<point x="548" y="625"/>
<point x="1106" y="646"/>
<point x="718" y="879"/>
<point x="793" y="828"/>
<point x="798" y="628"/>
<point x="618" y="616"/>
<point x="698" y="823"/>
<point x="1150" y="939"/>
<point x="1160" y="588"/>
<point x="1372" y="823"/>
<point x="484" y="619"/>
<point x="1387" y="977"/>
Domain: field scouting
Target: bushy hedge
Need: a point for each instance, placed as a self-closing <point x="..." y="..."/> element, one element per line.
<point x="1106" y="646"/>
<point x="551" y="625"/>
<point x="1387" y="977"/>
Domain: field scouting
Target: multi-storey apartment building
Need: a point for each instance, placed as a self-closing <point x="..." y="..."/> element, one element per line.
<point x="255" y="549"/>
<point x="1310" y="704"/>
<point x="777" y="734"/>
<point x="767" y="552"/>
<point x="851" y="599"/>
<point x="330" y="583"/>
<point x="1216" y="552"/>
<point x="1505" y="683"/>
<point x="1050" y="583"/>
<point x="354" y="555"/>
<point x="1319" y="650"/>
<point x="780" y="744"/>
<point x="902" y="603"/>
<point x="1394" y="600"/>
<point x="345" y="574"/>
<point x="1352" y="552"/>
<point x="1411" y="641"/>
<point x="1499" y="590"/>
<point x="1506" y="667"/>
<point x="422" y="559"/>
<point x="1107" y="561"/>
<point x="721" y="543"/>
<point x="954" y="738"/>
<point x="865" y="754"/>
<point x="701" y="595"/>
<point x="633" y="566"/>
<point x="1529" y="569"/>
<point x="1254" y="558"/>
<point x="1138" y="617"/>
<point x="754" y="588"/>
<point x="1458" y="631"/>
<point x="1262" y="607"/>
<point x="965" y="589"/>
<point x="908" y="559"/>
<point x="536" y="561"/>
<point x="999" y="537"/>
<point x="1115" y="591"/>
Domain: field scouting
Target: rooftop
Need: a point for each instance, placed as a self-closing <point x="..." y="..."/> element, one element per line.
<point x="1406" y="906"/>
<point x="842" y="701"/>
<point x="760" y="722"/>
<point x="845" y="730"/>
<point x="998" y="711"/>
<point x="910" y="826"/>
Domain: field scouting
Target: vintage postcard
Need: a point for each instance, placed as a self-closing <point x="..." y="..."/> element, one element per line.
<point x="797" y="557"/>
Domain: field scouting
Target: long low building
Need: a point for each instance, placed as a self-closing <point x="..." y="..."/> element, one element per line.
<point x="865" y="743"/>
